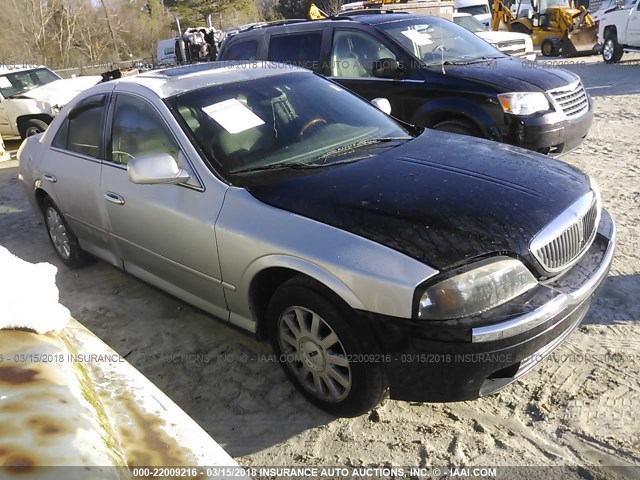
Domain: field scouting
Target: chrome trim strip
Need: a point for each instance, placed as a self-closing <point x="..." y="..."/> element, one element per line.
<point x="539" y="316"/>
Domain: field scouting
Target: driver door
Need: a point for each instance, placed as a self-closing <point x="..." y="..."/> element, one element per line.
<point x="164" y="233"/>
<point x="351" y="63"/>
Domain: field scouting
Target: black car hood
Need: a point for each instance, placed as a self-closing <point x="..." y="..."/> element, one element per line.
<point x="514" y="75"/>
<point x="441" y="198"/>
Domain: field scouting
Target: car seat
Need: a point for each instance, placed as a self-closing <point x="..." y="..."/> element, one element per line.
<point x="344" y="62"/>
<point x="235" y="146"/>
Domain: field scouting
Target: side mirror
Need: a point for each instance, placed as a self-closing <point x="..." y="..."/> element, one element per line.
<point x="388" y="68"/>
<point x="156" y="168"/>
<point x="382" y="104"/>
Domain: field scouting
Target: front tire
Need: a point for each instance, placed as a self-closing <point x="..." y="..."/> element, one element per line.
<point x="462" y="127"/>
<point x="551" y="47"/>
<point x="64" y="241"/>
<point x="33" y="127"/>
<point x="319" y="349"/>
<point x="611" y="50"/>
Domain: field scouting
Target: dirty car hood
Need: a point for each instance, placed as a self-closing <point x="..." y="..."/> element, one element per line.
<point x="513" y="74"/>
<point x="441" y="198"/>
<point x="60" y="92"/>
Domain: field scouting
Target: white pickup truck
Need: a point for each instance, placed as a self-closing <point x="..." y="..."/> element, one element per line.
<point x="31" y="95"/>
<point x="619" y="30"/>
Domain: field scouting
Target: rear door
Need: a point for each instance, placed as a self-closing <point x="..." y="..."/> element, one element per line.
<point x="164" y="233"/>
<point x="71" y="174"/>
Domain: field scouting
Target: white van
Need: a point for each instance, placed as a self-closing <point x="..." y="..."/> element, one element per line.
<point x="480" y="9"/>
<point x="166" y="52"/>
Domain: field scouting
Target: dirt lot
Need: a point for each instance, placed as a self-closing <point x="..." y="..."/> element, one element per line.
<point x="580" y="407"/>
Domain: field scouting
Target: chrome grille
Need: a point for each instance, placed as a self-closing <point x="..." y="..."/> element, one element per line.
<point x="576" y="226"/>
<point x="573" y="100"/>
<point x="511" y="43"/>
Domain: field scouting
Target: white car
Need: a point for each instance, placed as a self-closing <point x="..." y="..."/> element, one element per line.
<point x="31" y="95"/>
<point x="619" y="30"/>
<point x="480" y="10"/>
<point x="510" y="43"/>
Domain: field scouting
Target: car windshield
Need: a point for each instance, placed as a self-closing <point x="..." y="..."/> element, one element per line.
<point x="16" y="83"/>
<point x="435" y="41"/>
<point x="475" y="9"/>
<point x="288" y="120"/>
<point x="470" y="23"/>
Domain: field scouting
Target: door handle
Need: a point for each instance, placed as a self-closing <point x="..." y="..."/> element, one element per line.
<point x="49" y="178"/>
<point x="114" y="198"/>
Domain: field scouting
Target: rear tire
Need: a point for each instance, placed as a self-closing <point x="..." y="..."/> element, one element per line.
<point x="611" y="50"/>
<point x="462" y="127"/>
<point x="64" y="241"/>
<point x="551" y="47"/>
<point x="318" y="344"/>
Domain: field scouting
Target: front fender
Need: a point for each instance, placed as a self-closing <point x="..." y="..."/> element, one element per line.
<point x="305" y="267"/>
<point x="444" y="108"/>
<point x="253" y="236"/>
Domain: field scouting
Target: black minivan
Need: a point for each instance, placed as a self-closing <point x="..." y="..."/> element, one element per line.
<point x="434" y="73"/>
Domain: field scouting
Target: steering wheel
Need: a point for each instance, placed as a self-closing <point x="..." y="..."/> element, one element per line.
<point x="312" y="123"/>
<point x="439" y="48"/>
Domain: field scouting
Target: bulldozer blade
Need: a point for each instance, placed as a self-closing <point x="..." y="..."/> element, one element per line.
<point x="581" y="41"/>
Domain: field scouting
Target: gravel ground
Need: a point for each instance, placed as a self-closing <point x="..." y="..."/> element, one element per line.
<point x="578" y="408"/>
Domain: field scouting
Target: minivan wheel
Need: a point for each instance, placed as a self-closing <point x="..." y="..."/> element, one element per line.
<point x="33" y="127"/>
<point x="458" y="126"/>
<point x="319" y="351"/>
<point x="64" y="241"/>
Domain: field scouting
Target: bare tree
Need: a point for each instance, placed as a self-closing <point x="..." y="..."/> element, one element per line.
<point x="110" y="27"/>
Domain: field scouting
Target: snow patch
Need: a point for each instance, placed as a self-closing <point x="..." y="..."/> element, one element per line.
<point x="29" y="295"/>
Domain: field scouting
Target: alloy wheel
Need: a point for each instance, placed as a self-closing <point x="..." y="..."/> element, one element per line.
<point x="607" y="50"/>
<point x="313" y="352"/>
<point x="58" y="233"/>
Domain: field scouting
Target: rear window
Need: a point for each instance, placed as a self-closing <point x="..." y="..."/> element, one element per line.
<point x="302" y="49"/>
<point x="247" y="50"/>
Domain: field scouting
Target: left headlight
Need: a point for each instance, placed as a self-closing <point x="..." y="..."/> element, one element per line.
<point x="488" y="284"/>
<point x="523" y="103"/>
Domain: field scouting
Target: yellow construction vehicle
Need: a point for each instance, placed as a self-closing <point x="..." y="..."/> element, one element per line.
<point x="557" y="26"/>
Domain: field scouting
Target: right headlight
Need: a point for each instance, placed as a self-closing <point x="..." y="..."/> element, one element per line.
<point x="487" y="284"/>
<point x="523" y="103"/>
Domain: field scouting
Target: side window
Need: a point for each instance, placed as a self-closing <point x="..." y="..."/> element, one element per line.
<point x="138" y="130"/>
<point x="301" y="49"/>
<point x="353" y="54"/>
<point x="247" y="50"/>
<point x="81" y="132"/>
<point x="60" y="140"/>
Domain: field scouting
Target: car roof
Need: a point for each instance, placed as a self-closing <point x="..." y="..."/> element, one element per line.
<point x="381" y="18"/>
<point x="376" y="18"/>
<point x="172" y="81"/>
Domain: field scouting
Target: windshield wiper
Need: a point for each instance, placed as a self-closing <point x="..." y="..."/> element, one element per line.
<point x="467" y="62"/>
<point x="277" y="166"/>
<point x="363" y="143"/>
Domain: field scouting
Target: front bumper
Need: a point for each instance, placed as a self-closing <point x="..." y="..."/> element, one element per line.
<point x="431" y="361"/>
<point x="552" y="133"/>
